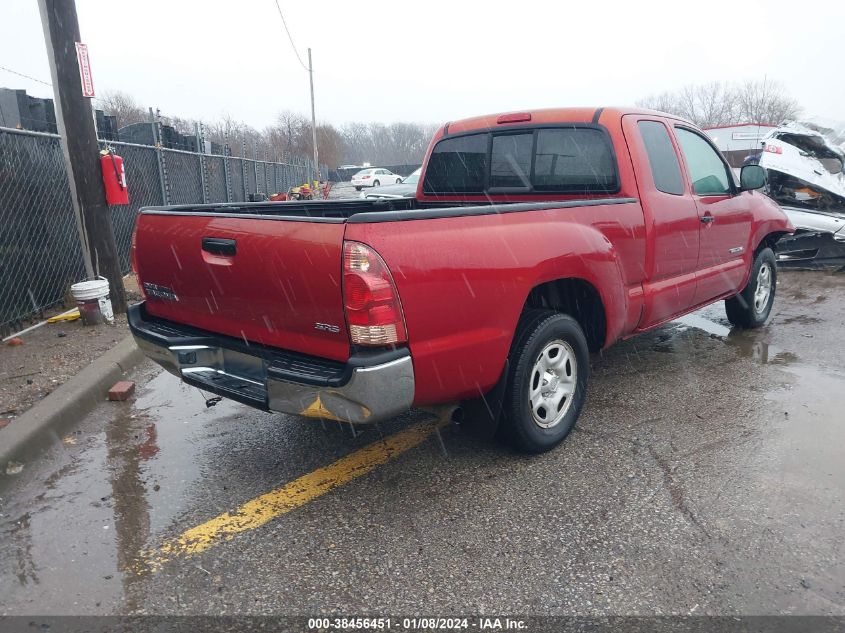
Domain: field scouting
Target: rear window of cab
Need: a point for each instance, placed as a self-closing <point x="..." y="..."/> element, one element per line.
<point x="567" y="159"/>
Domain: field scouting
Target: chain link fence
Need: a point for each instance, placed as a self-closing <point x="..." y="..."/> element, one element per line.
<point x="40" y="253"/>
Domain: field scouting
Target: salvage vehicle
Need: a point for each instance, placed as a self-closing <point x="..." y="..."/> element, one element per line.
<point x="534" y="239"/>
<point x="804" y="169"/>
<point x="818" y="241"/>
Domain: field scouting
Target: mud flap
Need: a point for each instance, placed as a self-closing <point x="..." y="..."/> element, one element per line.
<point x="481" y="416"/>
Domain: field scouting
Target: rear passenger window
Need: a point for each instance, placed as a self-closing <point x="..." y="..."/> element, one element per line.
<point x="574" y="160"/>
<point x="457" y="165"/>
<point x="661" y="157"/>
<point x="706" y="168"/>
<point x="510" y="161"/>
<point x="566" y="160"/>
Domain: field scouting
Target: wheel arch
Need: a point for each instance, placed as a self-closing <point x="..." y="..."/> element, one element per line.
<point x="769" y="240"/>
<point x="578" y="298"/>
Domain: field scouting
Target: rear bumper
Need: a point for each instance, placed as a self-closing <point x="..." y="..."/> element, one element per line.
<point x="369" y="387"/>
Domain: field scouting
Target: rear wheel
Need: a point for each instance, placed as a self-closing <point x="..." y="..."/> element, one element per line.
<point x="753" y="305"/>
<point x="376" y="183"/>
<point x="358" y="188"/>
<point x="549" y="365"/>
<point x="398" y="181"/>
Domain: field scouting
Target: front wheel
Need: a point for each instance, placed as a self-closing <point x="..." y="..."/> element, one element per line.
<point x="753" y="305"/>
<point x="547" y="380"/>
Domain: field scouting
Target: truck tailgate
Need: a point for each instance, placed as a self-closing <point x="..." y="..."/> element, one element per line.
<point x="272" y="281"/>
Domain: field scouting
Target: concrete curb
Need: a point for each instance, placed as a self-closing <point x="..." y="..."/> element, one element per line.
<point x="41" y="424"/>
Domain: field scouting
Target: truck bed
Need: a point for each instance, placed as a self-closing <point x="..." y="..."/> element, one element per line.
<point x="271" y="272"/>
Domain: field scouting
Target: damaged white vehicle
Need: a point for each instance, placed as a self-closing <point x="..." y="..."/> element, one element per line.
<point x="804" y="163"/>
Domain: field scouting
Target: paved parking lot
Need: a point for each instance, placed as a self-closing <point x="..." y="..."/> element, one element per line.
<point x="706" y="475"/>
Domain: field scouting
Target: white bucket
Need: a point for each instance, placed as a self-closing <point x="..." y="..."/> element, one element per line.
<point x="92" y="299"/>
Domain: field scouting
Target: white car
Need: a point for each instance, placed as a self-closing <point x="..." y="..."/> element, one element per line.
<point x="406" y="189"/>
<point x="374" y="177"/>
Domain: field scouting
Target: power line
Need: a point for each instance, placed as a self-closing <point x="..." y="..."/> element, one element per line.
<point x="14" y="72"/>
<point x="293" y="46"/>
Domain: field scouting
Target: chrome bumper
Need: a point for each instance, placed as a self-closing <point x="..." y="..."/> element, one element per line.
<point x="372" y="394"/>
<point x="357" y="392"/>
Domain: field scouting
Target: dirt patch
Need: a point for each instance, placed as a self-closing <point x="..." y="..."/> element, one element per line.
<point x="48" y="357"/>
<point x="52" y="354"/>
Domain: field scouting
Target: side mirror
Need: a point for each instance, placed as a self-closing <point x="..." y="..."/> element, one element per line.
<point x="752" y="177"/>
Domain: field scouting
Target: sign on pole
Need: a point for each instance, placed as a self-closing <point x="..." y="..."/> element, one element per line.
<point x="85" y="70"/>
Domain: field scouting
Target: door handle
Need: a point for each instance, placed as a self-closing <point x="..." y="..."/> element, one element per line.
<point x="219" y="246"/>
<point x="707" y="218"/>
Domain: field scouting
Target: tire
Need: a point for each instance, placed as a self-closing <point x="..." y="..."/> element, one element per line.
<point x="554" y="341"/>
<point x="398" y="181"/>
<point x="358" y="188"/>
<point x="753" y="305"/>
<point x="376" y="183"/>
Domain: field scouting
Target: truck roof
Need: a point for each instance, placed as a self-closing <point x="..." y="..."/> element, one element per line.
<point x="550" y="115"/>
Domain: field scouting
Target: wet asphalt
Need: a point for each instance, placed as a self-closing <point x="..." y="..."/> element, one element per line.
<point x="706" y="475"/>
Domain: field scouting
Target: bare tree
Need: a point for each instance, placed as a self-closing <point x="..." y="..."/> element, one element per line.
<point x="719" y="103"/>
<point x="122" y="107"/>
<point x="709" y="104"/>
<point x="765" y="101"/>
<point x="290" y="136"/>
<point x="377" y="143"/>
<point x="289" y="132"/>
<point x="330" y="144"/>
<point x="359" y="144"/>
<point x="184" y="126"/>
<point x="663" y="102"/>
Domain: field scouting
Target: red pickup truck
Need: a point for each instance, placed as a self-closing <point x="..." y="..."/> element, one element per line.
<point x="534" y="239"/>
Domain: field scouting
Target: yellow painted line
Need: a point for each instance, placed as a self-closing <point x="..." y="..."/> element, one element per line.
<point x="258" y="511"/>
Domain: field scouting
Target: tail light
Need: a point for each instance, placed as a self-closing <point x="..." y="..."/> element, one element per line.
<point x="774" y="149"/>
<point x="364" y="177"/>
<point x="372" y="306"/>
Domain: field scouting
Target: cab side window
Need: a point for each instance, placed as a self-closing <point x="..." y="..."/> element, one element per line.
<point x="706" y="168"/>
<point x="662" y="159"/>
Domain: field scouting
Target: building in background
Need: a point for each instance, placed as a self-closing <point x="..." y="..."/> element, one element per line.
<point x="19" y="110"/>
<point x="740" y="140"/>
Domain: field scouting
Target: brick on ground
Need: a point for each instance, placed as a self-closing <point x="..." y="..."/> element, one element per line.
<point x="122" y="390"/>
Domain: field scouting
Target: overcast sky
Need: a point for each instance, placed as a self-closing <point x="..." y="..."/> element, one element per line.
<point x="433" y="61"/>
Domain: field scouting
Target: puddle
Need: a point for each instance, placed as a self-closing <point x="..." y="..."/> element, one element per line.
<point x="124" y="479"/>
<point x="749" y="343"/>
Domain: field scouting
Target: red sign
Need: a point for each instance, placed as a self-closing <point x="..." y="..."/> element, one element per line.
<point x="85" y="70"/>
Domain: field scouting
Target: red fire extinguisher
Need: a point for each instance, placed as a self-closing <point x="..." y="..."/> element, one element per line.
<point x="114" y="178"/>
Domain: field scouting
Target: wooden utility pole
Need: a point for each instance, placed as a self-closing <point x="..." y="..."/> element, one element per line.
<point x="313" y="119"/>
<point x="79" y="143"/>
